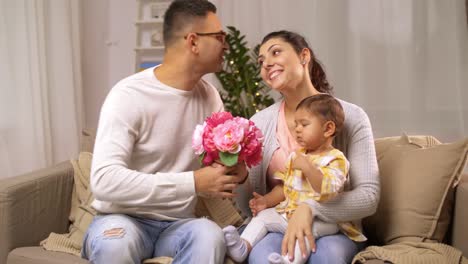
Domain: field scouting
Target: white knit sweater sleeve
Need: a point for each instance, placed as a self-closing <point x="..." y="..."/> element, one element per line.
<point x="112" y="180"/>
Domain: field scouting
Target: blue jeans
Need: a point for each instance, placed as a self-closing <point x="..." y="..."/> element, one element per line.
<point x="118" y="238"/>
<point x="333" y="249"/>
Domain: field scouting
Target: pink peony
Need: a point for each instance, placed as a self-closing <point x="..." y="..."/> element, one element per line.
<point x="197" y="139"/>
<point x="252" y="147"/>
<point x="211" y="122"/>
<point x="244" y="123"/>
<point x="228" y="136"/>
<point x="223" y="133"/>
<point x="209" y="158"/>
<point x="218" y="118"/>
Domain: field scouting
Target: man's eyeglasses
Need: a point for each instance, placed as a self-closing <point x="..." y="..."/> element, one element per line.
<point x="220" y="35"/>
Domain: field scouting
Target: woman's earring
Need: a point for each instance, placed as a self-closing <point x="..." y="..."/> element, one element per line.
<point x="303" y="63"/>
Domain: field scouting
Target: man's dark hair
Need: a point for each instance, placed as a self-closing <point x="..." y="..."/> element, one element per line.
<point x="182" y="13"/>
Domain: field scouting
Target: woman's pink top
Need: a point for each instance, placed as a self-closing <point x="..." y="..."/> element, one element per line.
<point x="287" y="144"/>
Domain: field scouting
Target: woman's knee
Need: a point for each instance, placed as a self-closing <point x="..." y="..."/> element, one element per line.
<point x="334" y="249"/>
<point x="271" y="243"/>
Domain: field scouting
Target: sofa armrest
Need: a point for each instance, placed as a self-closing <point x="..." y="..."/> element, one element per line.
<point x="460" y="218"/>
<point x="33" y="205"/>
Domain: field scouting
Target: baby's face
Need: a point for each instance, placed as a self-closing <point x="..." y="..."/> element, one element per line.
<point x="310" y="130"/>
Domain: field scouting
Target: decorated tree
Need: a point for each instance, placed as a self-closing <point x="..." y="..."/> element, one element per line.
<point x="244" y="91"/>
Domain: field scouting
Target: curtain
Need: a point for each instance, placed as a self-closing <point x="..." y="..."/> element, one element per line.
<point x="40" y="87"/>
<point x="404" y="61"/>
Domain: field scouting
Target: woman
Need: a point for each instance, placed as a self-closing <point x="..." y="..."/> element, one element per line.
<point x="290" y="67"/>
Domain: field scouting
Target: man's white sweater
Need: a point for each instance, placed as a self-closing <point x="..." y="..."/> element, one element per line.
<point x="143" y="160"/>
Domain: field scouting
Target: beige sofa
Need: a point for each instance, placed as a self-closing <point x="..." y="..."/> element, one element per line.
<point x="38" y="203"/>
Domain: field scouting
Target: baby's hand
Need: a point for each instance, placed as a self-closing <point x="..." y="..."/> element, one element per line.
<point x="257" y="204"/>
<point x="300" y="162"/>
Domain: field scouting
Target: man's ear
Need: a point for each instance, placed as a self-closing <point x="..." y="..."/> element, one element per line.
<point x="330" y="129"/>
<point x="191" y="41"/>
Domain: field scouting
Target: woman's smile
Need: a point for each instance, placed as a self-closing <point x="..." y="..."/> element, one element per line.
<point x="273" y="74"/>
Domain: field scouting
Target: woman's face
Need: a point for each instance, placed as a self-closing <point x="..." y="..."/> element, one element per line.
<point x="281" y="67"/>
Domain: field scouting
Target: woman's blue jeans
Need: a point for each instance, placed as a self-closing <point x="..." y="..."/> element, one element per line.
<point x="333" y="249"/>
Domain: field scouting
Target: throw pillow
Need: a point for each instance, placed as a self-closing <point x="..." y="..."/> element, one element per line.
<point x="81" y="214"/>
<point x="418" y="177"/>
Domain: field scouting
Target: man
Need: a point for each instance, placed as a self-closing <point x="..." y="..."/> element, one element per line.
<point x="142" y="175"/>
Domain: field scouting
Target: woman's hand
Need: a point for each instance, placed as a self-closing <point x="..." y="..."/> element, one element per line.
<point x="257" y="204"/>
<point x="299" y="228"/>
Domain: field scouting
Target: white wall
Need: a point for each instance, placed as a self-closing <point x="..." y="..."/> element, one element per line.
<point x="108" y="38"/>
<point x="401" y="63"/>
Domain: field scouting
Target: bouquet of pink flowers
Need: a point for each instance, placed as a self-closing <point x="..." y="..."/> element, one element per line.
<point x="228" y="139"/>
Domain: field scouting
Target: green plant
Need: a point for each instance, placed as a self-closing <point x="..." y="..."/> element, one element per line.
<point x="244" y="91"/>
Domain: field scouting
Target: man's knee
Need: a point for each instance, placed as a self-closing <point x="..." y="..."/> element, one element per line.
<point x="112" y="237"/>
<point x="111" y="245"/>
<point x="207" y="231"/>
<point x="201" y="240"/>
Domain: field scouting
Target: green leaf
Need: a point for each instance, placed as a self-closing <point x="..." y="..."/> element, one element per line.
<point x="201" y="157"/>
<point x="228" y="159"/>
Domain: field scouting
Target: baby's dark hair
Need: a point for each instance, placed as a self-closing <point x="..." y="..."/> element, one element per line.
<point x="325" y="106"/>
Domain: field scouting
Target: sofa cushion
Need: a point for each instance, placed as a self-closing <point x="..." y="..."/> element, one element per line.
<point x="418" y="176"/>
<point x="81" y="214"/>
<point x="37" y="255"/>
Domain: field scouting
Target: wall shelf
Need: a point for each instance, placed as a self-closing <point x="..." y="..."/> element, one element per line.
<point x="149" y="22"/>
<point x="149" y="46"/>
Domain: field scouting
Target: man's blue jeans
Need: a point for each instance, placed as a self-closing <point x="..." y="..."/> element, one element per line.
<point x="118" y="238"/>
<point x="333" y="249"/>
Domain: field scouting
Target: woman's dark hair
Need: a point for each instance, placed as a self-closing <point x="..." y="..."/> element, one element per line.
<point x="182" y="13"/>
<point x="325" y="106"/>
<point x="317" y="74"/>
